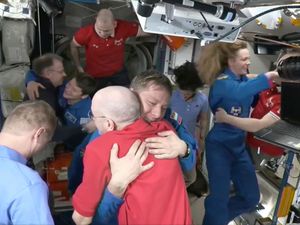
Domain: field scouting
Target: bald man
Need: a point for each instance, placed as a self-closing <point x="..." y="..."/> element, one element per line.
<point x="24" y="195"/>
<point x="157" y="196"/>
<point x="104" y="44"/>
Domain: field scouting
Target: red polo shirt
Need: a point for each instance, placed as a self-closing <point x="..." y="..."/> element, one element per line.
<point x="157" y="196"/>
<point x="105" y="56"/>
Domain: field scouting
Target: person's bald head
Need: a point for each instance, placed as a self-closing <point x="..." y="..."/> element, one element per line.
<point x="105" y="23"/>
<point x="117" y="103"/>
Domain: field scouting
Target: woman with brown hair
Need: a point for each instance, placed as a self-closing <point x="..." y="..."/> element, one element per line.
<point x="224" y="66"/>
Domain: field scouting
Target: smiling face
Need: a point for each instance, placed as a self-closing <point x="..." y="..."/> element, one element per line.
<point x="240" y="63"/>
<point x="72" y="91"/>
<point x="155" y="101"/>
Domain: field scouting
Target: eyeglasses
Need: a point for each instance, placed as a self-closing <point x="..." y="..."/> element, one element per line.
<point x="92" y="117"/>
<point x="58" y="71"/>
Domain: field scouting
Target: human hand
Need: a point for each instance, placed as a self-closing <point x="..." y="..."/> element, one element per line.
<point x="81" y="220"/>
<point x="166" y="146"/>
<point x="126" y="169"/>
<point x="220" y="116"/>
<point x="89" y="127"/>
<point x="272" y="74"/>
<point x="32" y="89"/>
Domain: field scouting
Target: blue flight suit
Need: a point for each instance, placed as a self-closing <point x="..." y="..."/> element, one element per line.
<point x="77" y="114"/>
<point x="75" y="170"/>
<point x="71" y="116"/>
<point x="226" y="156"/>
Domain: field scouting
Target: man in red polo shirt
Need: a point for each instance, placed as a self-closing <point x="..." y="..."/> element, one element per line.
<point x="156" y="196"/>
<point x="104" y="43"/>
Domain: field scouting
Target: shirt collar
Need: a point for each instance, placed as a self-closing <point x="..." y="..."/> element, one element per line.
<point x="8" y="153"/>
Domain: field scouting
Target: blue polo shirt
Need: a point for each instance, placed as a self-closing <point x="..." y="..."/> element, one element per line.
<point x="23" y="194"/>
<point x="189" y="110"/>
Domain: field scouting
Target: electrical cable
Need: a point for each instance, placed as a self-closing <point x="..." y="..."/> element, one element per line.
<point x="253" y="18"/>
<point x="205" y="20"/>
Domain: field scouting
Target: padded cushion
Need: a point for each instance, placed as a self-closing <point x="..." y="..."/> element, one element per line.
<point x="16" y="41"/>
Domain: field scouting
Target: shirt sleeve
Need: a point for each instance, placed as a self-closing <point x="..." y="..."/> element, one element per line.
<point x="95" y="177"/>
<point x="205" y="106"/>
<point x="108" y="209"/>
<point x="242" y="89"/>
<point x="30" y="76"/>
<point x="189" y="162"/>
<point x="82" y="36"/>
<point x="31" y="206"/>
<point x="129" y="28"/>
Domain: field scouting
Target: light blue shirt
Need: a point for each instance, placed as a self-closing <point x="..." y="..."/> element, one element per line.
<point x="23" y="194"/>
<point x="189" y="110"/>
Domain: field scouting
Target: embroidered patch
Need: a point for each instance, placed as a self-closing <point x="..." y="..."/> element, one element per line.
<point x="119" y="42"/>
<point x="176" y="117"/>
<point x="236" y="110"/>
<point x="84" y="120"/>
<point x="70" y="117"/>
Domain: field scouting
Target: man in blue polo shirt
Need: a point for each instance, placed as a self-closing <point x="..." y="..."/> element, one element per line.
<point x="24" y="195"/>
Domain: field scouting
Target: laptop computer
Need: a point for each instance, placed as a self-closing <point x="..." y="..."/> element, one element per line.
<point x="286" y="132"/>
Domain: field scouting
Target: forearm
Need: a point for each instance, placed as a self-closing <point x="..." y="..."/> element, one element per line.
<point x="251" y="124"/>
<point x="75" y="54"/>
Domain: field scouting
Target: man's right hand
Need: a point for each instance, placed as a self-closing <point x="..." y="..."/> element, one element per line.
<point x="126" y="169"/>
<point x="33" y="89"/>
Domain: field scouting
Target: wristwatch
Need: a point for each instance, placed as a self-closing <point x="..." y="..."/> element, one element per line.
<point x="188" y="152"/>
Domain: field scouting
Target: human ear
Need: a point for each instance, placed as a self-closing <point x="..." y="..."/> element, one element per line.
<point x="36" y="139"/>
<point x="39" y="132"/>
<point x="111" y="125"/>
